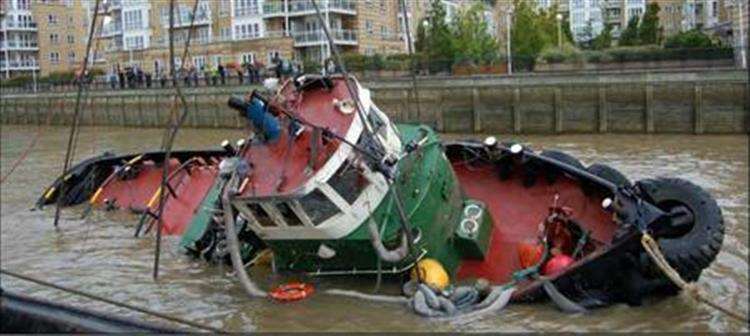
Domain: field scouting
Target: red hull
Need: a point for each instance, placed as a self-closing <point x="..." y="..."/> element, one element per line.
<point x="517" y="212"/>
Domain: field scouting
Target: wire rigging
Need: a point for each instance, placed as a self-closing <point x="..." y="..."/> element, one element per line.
<point x="370" y="133"/>
<point x="174" y="127"/>
<point x="112" y="302"/>
<point x="77" y="112"/>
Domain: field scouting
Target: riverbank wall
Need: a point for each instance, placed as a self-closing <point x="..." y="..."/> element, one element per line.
<point x="694" y="102"/>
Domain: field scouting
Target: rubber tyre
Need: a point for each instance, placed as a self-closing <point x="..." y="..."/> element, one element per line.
<point x="563" y="157"/>
<point x="551" y="173"/>
<point x="610" y="174"/>
<point x="695" y="250"/>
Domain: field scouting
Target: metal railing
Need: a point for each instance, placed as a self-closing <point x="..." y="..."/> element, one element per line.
<point x="19" y="65"/>
<point x="305" y="6"/>
<point x="19" y="25"/>
<point x="10" y="44"/>
<point x="246" y="11"/>
<point x="316" y="36"/>
<point x="111" y="29"/>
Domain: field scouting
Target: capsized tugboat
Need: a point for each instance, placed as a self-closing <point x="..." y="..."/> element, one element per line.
<point x="331" y="186"/>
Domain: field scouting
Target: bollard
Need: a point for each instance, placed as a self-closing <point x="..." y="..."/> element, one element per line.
<point x="698" y="108"/>
<point x="649" y="110"/>
<point x="517" y="111"/>
<point x="477" y="114"/>
<point x="557" y="106"/>
<point x="603" y="113"/>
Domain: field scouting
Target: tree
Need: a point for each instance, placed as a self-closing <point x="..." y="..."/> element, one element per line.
<point x="434" y="41"/>
<point x="528" y="38"/>
<point x="471" y="39"/>
<point x="648" y="32"/>
<point x="629" y="36"/>
<point x="603" y="40"/>
<point x="691" y="39"/>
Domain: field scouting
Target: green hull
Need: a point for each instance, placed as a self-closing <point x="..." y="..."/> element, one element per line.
<point x="432" y="200"/>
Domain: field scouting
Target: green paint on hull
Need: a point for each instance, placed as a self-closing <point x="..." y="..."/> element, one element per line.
<point x="432" y="199"/>
<point x="202" y="218"/>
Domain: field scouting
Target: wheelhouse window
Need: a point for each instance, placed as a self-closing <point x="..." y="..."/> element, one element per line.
<point x="349" y="182"/>
<point x="318" y="207"/>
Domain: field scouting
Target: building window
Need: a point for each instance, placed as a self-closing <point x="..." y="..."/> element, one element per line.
<point x="203" y="35"/>
<point x="54" y="58"/>
<point x="224" y="8"/>
<point x="134" y="42"/>
<point x="54" y="38"/>
<point x="714" y="8"/>
<point x="247" y="58"/>
<point x="226" y="33"/>
<point x="384" y="32"/>
<point x="199" y="61"/>
<point x="133" y="20"/>
<point x="72" y="57"/>
<point x="273" y="54"/>
<point x="246" y="7"/>
<point x="71" y="39"/>
<point x="368" y="27"/>
<point x="636" y="12"/>
<point x="52" y="19"/>
<point x="24" y="4"/>
<point x="247" y="31"/>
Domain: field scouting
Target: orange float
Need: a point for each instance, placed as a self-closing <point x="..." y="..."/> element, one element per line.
<point x="293" y="291"/>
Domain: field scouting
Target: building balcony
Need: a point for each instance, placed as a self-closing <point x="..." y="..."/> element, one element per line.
<point x="307" y="38"/>
<point x="299" y="8"/>
<point x="9" y="25"/>
<point x="111" y="30"/>
<point x="19" y="65"/>
<point x="184" y="20"/>
<point x="115" y="4"/>
<point x="18" y="45"/>
<point x="247" y="11"/>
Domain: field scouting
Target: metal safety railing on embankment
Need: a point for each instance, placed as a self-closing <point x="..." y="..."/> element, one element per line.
<point x="635" y="102"/>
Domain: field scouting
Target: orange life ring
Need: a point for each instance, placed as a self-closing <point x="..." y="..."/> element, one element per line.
<point x="292" y="291"/>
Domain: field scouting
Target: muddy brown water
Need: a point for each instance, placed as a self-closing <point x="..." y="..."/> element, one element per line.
<point x="101" y="256"/>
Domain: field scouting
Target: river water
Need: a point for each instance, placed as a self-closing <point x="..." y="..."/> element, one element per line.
<point x="101" y="256"/>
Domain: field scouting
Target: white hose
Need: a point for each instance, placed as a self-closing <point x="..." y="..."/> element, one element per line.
<point x="234" y="245"/>
<point x="369" y="297"/>
<point x="385" y="254"/>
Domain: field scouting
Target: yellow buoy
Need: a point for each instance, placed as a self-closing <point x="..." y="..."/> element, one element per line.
<point x="431" y="273"/>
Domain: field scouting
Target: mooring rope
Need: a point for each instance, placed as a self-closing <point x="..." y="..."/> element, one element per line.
<point x="112" y="302"/>
<point x="28" y="149"/>
<point x="653" y="250"/>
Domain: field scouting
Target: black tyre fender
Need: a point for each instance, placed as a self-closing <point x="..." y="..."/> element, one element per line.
<point x="689" y="249"/>
<point x="551" y="173"/>
<point x="610" y="174"/>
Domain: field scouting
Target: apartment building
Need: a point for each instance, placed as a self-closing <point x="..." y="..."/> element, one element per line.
<point x="19" y="50"/>
<point x="135" y="32"/>
<point x="42" y="36"/>
<point x="63" y="28"/>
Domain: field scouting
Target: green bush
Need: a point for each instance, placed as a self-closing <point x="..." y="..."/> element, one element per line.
<point x="568" y="54"/>
<point x="690" y="39"/>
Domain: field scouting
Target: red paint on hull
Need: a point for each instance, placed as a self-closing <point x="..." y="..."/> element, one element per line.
<point x="517" y="212"/>
<point x="134" y="193"/>
<point x="190" y="185"/>
<point x="281" y="168"/>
